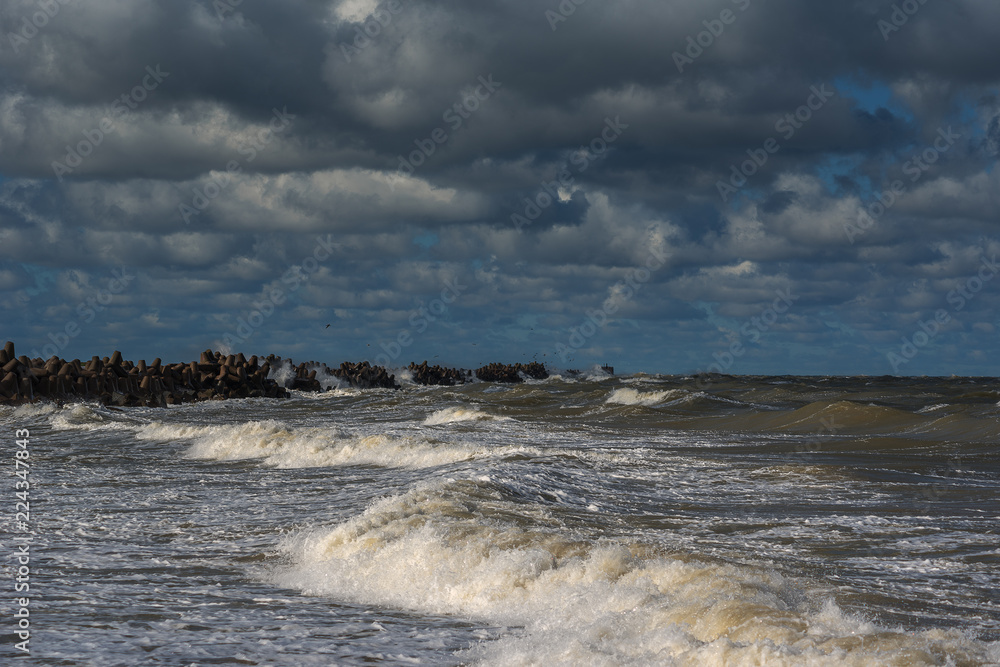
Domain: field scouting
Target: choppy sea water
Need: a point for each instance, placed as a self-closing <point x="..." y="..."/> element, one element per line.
<point x="592" y="521"/>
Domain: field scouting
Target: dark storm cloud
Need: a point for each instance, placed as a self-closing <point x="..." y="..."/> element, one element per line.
<point x="211" y="144"/>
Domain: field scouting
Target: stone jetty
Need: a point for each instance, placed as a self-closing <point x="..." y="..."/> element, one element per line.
<point x="120" y="382"/>
<point x="117" y="381"/>
<point x="495" y="372"/>
<point x="511" y="372"/>
<point x="424" y="374"/>
<point x="361" y="375"/>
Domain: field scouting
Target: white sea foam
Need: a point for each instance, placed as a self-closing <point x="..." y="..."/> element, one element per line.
<point x="326" y="395"/>
<point x="628" y="396"/>
<point x="596" y="374"/>
<point x="34" y="410"/>
<point x="90" y="417"/>
<point x="284" y="374"/>
<point x="280" y="446"/>
<point x="457" y="414"/>
<point x="441" y="551"/>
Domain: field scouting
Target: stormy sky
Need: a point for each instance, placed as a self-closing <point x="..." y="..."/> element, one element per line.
<point x="744" y="186"/>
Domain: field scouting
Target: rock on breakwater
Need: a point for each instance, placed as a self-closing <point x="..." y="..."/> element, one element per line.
<point x="428" y="375"/>
<point x="120" y="382"/>
<point x="495" y="372"/>
<point x="314" y="376"/>
<point x="511" y="372"/>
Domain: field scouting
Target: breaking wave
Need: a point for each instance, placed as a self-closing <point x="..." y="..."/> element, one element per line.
<point x="441" y="549"/>
<point x="280" y="446"/>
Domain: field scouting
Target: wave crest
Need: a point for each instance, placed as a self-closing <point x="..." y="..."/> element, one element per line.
<point x="456" y="414"/>
<point x="581" y="601"/>
<point x="629" y="396"/>
<point x="280" y="446"/>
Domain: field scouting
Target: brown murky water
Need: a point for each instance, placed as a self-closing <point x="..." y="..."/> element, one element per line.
<point x="596" y="520"/>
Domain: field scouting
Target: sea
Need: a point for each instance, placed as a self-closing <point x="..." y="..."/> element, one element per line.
<point x="585" y="520"/>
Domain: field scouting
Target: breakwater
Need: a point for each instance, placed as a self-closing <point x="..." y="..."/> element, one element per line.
<point x="120" y="382"/>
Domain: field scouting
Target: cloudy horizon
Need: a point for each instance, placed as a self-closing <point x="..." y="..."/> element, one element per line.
<point x="738" y="186"/>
